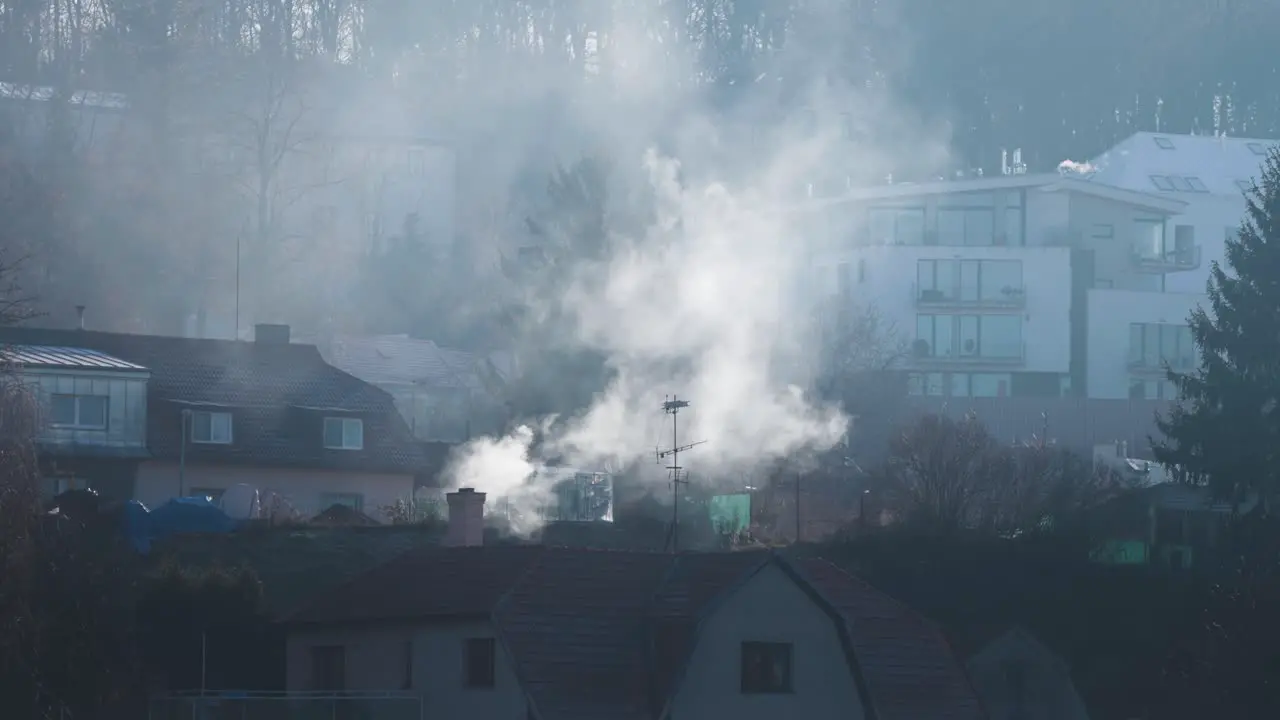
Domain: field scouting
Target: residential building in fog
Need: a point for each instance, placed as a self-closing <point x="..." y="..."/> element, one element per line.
<point x="1208" y="173"/>
<point x="1018" y="285"/>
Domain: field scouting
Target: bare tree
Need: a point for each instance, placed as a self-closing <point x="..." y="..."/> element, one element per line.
<point x="941" y="474"/>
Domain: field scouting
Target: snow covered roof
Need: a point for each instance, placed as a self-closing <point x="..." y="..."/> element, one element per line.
<point x="1181" y="165"/>
<point x="1044" y="182"/>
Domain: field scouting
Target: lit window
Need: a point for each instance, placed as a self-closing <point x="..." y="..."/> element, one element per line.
<point x="343" y="433"/>
<point x="1197" y="185"/>
<point x="78" y="411"/>
<point x="766" y="667"/>
<point x="1164" y="143"/>
<point x="212" y="428"/>
<point x="1257" y="148"/>
<point x="1161" y="182"/>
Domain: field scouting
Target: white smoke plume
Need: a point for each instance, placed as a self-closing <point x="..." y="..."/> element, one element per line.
<point x="710" y="303"/>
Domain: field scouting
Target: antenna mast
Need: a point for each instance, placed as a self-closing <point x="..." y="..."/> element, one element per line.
<point x="672" y="406"/>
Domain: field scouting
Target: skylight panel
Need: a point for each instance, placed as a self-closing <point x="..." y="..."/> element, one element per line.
<point x="1179" y="183"/>
<point x="1197" y="185"/>
<point x="1162" y="182"/>
<point x="1245" y="185"/>
<point x="1257" y="148"/>
<point x="1163" y="143"/>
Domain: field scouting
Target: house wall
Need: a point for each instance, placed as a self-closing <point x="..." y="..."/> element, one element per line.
<point x="376" y="661"/>
<point x="1110" y="314"/>
<point x="770" y="607"/>
<point x="126" y="407"/>
<point x="305" y="490"/>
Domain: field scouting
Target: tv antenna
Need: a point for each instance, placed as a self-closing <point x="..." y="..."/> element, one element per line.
<point x="672" y="406"/>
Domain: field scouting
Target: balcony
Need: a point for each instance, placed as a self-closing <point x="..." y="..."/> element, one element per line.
<point x="1149" y="260"/>
<point x="1008" y="297"/>
<point x="1155" y="367"/>
<point x="992" y="355"/>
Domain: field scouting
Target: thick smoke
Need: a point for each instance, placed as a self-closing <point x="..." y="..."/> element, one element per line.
<point x="710" y="301"/>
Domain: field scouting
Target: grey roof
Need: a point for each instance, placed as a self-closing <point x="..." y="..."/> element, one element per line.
<point x="1172" y="164"/>
<point x="57" y="356"/>
<point x="402" y="360"/>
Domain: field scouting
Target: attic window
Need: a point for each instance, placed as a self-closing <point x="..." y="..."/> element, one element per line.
<point x="211" y="428"/>
<point x="1163" y="143"/>
<point x="1257" y="148"/>
<point x="1197" y="185"/>
<point x="1162" y="182"/>
<point x="343" y="433"/>
<point x="766" y="667"/>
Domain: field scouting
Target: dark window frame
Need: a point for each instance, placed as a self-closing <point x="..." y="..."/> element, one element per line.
<point x="479" y="663"/>
<point x="1162" y="183"/>
<point x="1164" y="143"/>
<point x="755" y="655"/>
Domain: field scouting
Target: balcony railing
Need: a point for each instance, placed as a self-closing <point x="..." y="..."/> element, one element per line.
<point x="1143" y="365"/>
<point x="1180" y="260"/>
<point x="1007" y="297"/>
<point x="286" y="706"/>
<point x="1001" y="354"/>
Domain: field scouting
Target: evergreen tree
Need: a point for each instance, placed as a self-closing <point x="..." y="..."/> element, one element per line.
<point x="1225" y="431"/>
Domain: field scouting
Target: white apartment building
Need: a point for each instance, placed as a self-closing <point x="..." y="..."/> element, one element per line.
<point x="1210" y="174"/>
<point x="1022" y="285"/>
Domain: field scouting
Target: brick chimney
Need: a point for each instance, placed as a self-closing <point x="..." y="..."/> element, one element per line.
<point x="466" y="518"/>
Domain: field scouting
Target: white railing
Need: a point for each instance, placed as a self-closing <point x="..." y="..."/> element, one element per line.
<point x="234" y="705"/>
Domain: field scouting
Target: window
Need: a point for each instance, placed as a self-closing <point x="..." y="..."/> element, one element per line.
<point x="214" y="494"/>
<point x="989" y="384"/>
<point x="1197" y="185"/>
<point x="1179" y="183"/>
<point x="924" y="384"/>
<point x="1162" y="182"/>
<point x="1013" y="226"/>
<point x="1151" y="345"/>
<point x="328" y="668"/>
<point x="408" y="666"/>
<point x="999" y="336"/>
<point x="479" y="662"/>
<point x="417" y="162"/>
<point x="211" y="427"/>
<point x="973" y="227"/>
<point x="1102" y="232"/>
<point x="1149" y="238"/>
<point x="896" y="226"/>
<point x="79" y="411"/>
<point x="933" y="336"/>
<point x="1163" y="143"/>
<point x="355" y="501"/>
<point x="1245" y="185"/>
<point x="842" y="280"/>
<point x="1257" y="148"/>
<point x="936" y="280"/>
<point x="766" y="667"/>
<point x="343" y="433"/>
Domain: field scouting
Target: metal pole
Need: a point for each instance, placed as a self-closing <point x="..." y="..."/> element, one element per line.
<point x="236" y="335"/>
<point x="182" y="454"/>
<point x="798" y="534"/>
<point x="675" y="487"/>
<point x="204" y="661"/>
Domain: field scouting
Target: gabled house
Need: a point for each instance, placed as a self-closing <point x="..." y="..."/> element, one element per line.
<point x="216" y="413"/>
<point x="444" y="394"/>
<point x="1019" y="678"/>
<point x="556" y="634"/>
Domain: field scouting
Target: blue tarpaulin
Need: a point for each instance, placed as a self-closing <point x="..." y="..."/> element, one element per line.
<point x="180" y="515"/>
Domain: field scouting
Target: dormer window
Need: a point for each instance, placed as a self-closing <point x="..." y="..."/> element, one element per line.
<point x="343" y="433"/>
<point x="212" y="428"/>
<point x="82" y="412"/>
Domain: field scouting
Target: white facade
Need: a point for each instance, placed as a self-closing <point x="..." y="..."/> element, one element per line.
<point x="1210" y="174"/>
<point x="1132" y="335"/>
<point x="989" y="280"/>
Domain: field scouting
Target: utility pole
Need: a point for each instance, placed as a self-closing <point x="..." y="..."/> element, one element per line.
<point x="672" y="407"/>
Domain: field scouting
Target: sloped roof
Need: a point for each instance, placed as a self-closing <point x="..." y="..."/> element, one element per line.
<point x="277" y="394"/>
<point x="1220" y="164"/>
<point x="1043" y="182"/>
<point x="604" y="635"/>
<point x="46" y="356"/>
<point x="402" y="360"/>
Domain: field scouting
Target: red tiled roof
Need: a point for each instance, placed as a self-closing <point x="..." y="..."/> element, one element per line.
<point x="604" y="635"/>
<point x="909" y="670"/>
